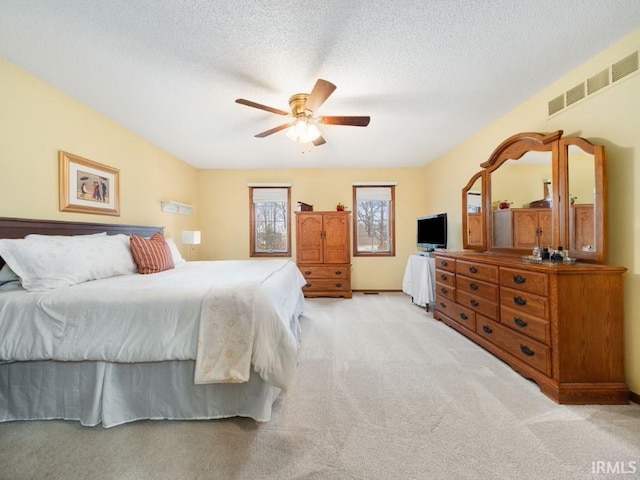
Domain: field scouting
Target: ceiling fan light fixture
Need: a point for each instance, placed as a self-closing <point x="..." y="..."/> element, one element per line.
<point x="302" y="130"/>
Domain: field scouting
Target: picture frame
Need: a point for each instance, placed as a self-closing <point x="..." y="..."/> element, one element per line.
<point x="86" y="186"/>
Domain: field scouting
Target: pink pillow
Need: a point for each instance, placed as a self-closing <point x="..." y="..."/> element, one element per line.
<point x="151" y="255"/>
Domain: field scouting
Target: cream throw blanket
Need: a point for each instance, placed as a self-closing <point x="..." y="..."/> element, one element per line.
<point x="226" y="331"/>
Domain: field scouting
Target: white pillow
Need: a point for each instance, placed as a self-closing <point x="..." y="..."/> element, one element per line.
<point x="49" y="237"/>
<point x="44" y="263"/>
<point x="175" y="253"/>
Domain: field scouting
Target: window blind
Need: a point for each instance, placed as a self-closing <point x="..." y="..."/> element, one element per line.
<point x="364" y="194"/>
<point x="264" y="195"/>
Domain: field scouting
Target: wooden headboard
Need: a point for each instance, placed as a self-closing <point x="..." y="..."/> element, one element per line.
<point x="21" y="227"/>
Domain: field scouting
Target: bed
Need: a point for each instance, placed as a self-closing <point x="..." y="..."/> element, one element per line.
<point x="203" y="340"/>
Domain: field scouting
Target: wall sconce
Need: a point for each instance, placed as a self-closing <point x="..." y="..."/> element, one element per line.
<point x="191" y="237"/>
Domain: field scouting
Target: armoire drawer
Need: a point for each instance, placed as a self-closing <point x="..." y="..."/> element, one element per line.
<point x="461" y="315"/>
<point x="324" y="271"/>
<point x="319" y="284"/>
<point x="531" y="352"/>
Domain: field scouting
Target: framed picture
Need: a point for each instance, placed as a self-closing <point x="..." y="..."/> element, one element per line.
<point x="87" y="186"/>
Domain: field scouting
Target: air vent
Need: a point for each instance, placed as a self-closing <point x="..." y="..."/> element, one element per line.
<point x="556" y="104"/>
<point x="598" y="81"/>
<point x="619" y="70"/>
<point x="624" y="67"/>
<point x="575" y="94"/>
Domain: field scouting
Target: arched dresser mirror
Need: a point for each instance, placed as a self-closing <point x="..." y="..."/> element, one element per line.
<point x="538" y="190"/>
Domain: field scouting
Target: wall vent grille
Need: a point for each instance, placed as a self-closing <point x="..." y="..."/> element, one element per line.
<point x="575" y="94"/>
<point x="624" y="67"/>
<point x="598" y="81"/>
<point x="605" y="78"/>
<point x="556" y="104"/>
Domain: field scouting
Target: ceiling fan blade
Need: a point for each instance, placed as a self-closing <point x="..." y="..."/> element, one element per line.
<point x="319" y="141"/>
<point x="321" y="91"/>
<point x="352" y="121"/>
<point x="266" y="133"/>
<point x="249" y="103"/>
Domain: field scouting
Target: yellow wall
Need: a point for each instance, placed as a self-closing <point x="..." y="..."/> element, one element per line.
<point x="609" y="117"/>
<point x="223" y="202"/>
<point x="37" y="120"/>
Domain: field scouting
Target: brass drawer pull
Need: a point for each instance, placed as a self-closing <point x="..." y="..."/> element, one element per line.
<point x="308" y="272"/>
<point x="487" y="329"/>
<point x="338" y="272"/>
<point x="473" y="269"/>
<point x="519" y="301"/>
<point x="443" y="305"/>
<point x="443" y="291"/>
<point x="519" y="279"/>
<point x="308" y="285"/>
<point x="338" y="285"/>
<point x="443" y="263"/>
<point x="443" y="277"/>
<point x="527" y="351"/>
<point x="519" y="322"/>
<point x="463" y="316"/>
<point x="474" y="303"/>
<point x="473" y="286"/>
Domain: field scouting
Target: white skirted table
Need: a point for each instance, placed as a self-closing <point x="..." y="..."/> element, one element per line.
<point x="419" y="280"/>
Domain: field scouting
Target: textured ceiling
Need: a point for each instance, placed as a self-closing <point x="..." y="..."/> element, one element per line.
<point x="424" y="70"/>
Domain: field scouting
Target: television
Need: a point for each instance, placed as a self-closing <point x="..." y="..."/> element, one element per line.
<point x="432" y="232"/>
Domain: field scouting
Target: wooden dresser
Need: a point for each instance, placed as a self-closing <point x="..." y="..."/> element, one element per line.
<point x="559" y="325"/>
<point x="323" y="253"/>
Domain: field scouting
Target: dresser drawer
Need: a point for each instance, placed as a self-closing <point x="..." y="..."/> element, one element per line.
<point x="533" y="282"/>
<point x="479" y="304"/>
<point x="480" y="271"/>
<point x="464" y="316"/>
<point x="477" y="288"/>
<point x="526" y="324"/>
<point x="324" y="271"/>
<point x="525" y="302"/>
<point x="526" y="349"/>
<point x="446" y="278"/>
<point x="446" y="291"/>
<point x="333" y="285"/>
<point x="448" y="264"/>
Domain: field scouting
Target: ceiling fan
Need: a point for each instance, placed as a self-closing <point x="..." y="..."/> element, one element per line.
<point x="302" y="125"/>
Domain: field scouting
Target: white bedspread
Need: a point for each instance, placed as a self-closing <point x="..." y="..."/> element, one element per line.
<point x="147" y="318"/>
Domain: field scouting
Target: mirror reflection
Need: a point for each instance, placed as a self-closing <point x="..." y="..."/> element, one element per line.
<point x="521" y="200"/>
<point x="582" y="198"/>
<point x="474" y="213"/>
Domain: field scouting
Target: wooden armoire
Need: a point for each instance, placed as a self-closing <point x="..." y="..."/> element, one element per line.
<point x="323" y="253"/>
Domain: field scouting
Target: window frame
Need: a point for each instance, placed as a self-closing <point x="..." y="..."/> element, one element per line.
<point x="252" y="225"/>
<point x="391" y="221"/>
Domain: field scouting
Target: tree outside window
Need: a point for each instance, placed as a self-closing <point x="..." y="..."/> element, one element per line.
<point x="374" y="225"/>
<point x="270" y="220"/>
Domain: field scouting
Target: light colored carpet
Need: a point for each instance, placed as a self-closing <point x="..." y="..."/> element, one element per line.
<point x="383" y="391"/>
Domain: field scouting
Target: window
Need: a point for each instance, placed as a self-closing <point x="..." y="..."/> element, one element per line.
<point x="270" y="219"/>
<point x="373" y="221"/>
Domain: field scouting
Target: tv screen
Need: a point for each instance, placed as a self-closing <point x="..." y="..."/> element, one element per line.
<point x="432" y="231"/>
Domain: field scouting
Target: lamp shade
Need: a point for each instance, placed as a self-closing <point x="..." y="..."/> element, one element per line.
<point x="191" y="237"/>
